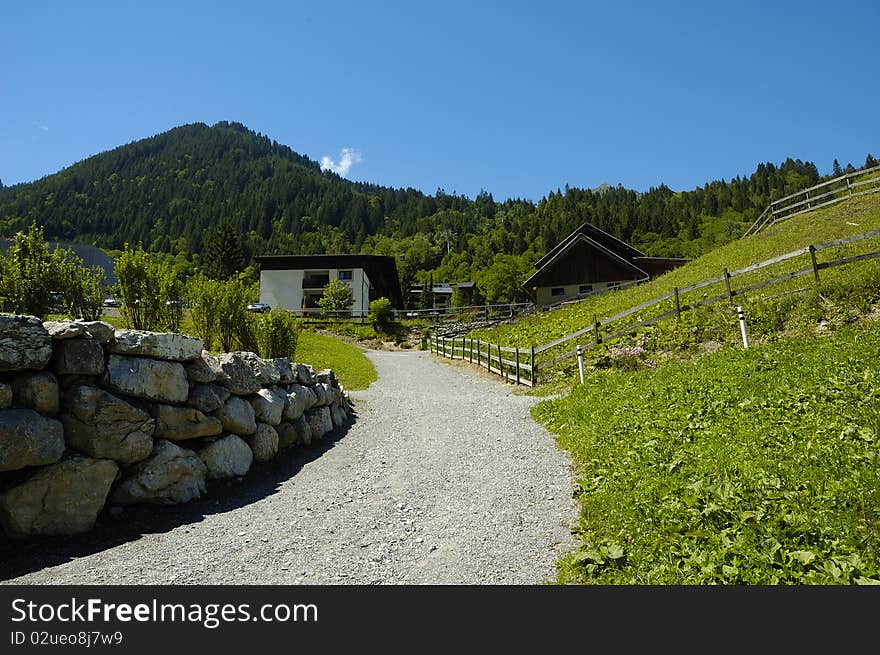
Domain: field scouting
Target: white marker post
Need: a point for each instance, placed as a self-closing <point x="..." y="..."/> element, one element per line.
<point x="742" y="326"/>
<point x="580" y="354"/>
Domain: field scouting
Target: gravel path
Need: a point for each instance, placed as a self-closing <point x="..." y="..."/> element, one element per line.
<point x="443" y="478"/>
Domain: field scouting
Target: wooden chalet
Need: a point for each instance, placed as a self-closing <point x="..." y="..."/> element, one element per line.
<point x="589" y="261"/>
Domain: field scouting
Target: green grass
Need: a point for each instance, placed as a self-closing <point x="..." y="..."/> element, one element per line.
<point x="751" y="466"/>
<point x="847" y="218"/>
<point x="349" y="363"/>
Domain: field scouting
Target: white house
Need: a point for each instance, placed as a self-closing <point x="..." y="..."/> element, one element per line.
<point x="297" y="282"/>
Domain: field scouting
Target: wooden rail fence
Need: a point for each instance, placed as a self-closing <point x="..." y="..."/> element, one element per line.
<point x="821" y="195"/>
<point x="519" y="370"/>
<point x="521" y="366"/>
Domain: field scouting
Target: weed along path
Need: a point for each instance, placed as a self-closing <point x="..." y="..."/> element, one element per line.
<point x="443" y="478"/>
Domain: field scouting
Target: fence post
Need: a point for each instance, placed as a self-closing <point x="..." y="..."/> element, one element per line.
<point x="501" y="364"/>
<point x="815" y="265"/>
<point x="580" y="356"/>
<point x="677" y="305"/>
<point x="727" y="283"/>
<point x="486" y="312"/>
<point x="478" y="352"/>
<point x="742" y="326"/>
<point x="532" y="375"/>
<point x="517" y="365"/>
<point x="596" y="330"/>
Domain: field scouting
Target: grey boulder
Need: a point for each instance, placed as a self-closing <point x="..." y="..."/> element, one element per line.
<point x="78" y="356"/>
<point x="36" y="391"/>
<point x="147" y="378"/>
<point x="170" y="475"/>
<point x="207" y="397"/>
<point x="206" y="368"/>
<point x="263" y="443"/>
<point x="181" y="423"/>
<point x="228" y="457"/>
<point x="237" y="416"/>
<point x="29" y="439"/>
<point x="319" y="421"/>
<point x="101" y="425"/>
<point x="160" y="345"/>
<point x="60" y="499"/>
<point x="269" y="405"/>
<point x="24" y="343"/>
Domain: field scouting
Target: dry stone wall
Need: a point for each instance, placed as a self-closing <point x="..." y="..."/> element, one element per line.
<point x="92" y="417"/>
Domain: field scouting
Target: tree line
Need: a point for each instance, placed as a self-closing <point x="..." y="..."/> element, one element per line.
<point x="209" y="198"/>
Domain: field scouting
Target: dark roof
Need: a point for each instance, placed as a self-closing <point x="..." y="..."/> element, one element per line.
<point x="576" y="237"/>
<point x="608" y="242"/>
<point x="630" y="257"/>
<point x="381" y="270"/>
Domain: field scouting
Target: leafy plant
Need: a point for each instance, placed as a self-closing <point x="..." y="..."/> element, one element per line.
<point x="277" y="334"/>
<point x="204" y="297"/>
<point x="236" y="325"/>
<point x="149" y="290"/>
<point x="755" y="466"/>
<point x="381" y="315"/>
<point x="337" y="299"/>
<point x="35" y="279"/>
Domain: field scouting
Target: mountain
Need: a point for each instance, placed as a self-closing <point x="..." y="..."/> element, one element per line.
<point x="168" y="190"/>
<point x="171" y="190"/>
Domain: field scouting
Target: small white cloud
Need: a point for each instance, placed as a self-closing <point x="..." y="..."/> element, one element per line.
<point x="348" y="157"/>
<point x="40" y="126"/>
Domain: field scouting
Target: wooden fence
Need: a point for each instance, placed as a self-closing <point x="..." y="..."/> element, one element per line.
<point x="519" y="370"/>
<point x="821" y="195"/>
<point x="527" y="363"/>
<point x="470" y="312"/>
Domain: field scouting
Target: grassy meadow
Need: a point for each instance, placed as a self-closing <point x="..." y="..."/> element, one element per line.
<point x="754" y="466"/>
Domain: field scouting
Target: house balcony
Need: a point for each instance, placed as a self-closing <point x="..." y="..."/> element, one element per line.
<point x="315" y="283"/>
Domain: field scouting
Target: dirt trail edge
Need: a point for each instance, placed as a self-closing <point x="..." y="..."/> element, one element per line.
<point x="443" y="478"/>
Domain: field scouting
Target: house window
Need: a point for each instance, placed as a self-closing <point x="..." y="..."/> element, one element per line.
<point x="344" y="275"/>
<point x="557" y="291"/>
<point x="586" y="288"/>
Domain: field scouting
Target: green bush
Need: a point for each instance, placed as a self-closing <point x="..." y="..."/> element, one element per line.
<point x="381" y="314"/>
<point x="236" y="325"/>
<point x="82" y="288"/>
<point x="204" y="298"/>
<point x="32" y="276"/>
<point x="149" y="290"/>
<point x="277" y="334"/>
<point x="337" y="299"/>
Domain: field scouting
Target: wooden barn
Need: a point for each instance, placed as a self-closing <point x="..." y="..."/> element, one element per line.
<point x="589" y="261"/>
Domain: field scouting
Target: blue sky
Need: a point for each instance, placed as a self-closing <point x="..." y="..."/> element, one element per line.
<point x="517" y="98"/>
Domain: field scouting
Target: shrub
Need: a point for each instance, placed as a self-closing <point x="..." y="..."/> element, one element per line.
<point x="149" y="290"/>
<point x="204" y="297"/>
<point x="277" y="334"/>
<point x="381" y="315"/>
<point x="82" y="288"/>
<point x="31" y="276"/>
<point x="236" y="325"/>
<point x="337" y="299"/>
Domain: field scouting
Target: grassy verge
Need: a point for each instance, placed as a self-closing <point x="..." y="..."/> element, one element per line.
<point x="352" y="367"/>
<point x="747" y="466"/>
<point x="852" y="217"/>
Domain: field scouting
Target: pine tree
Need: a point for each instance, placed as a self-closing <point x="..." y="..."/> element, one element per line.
<point x="836" y="170"/>
<point x="224" y="256"/>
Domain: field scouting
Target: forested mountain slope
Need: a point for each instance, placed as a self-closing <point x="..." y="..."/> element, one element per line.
<point x="170" y="190"/>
